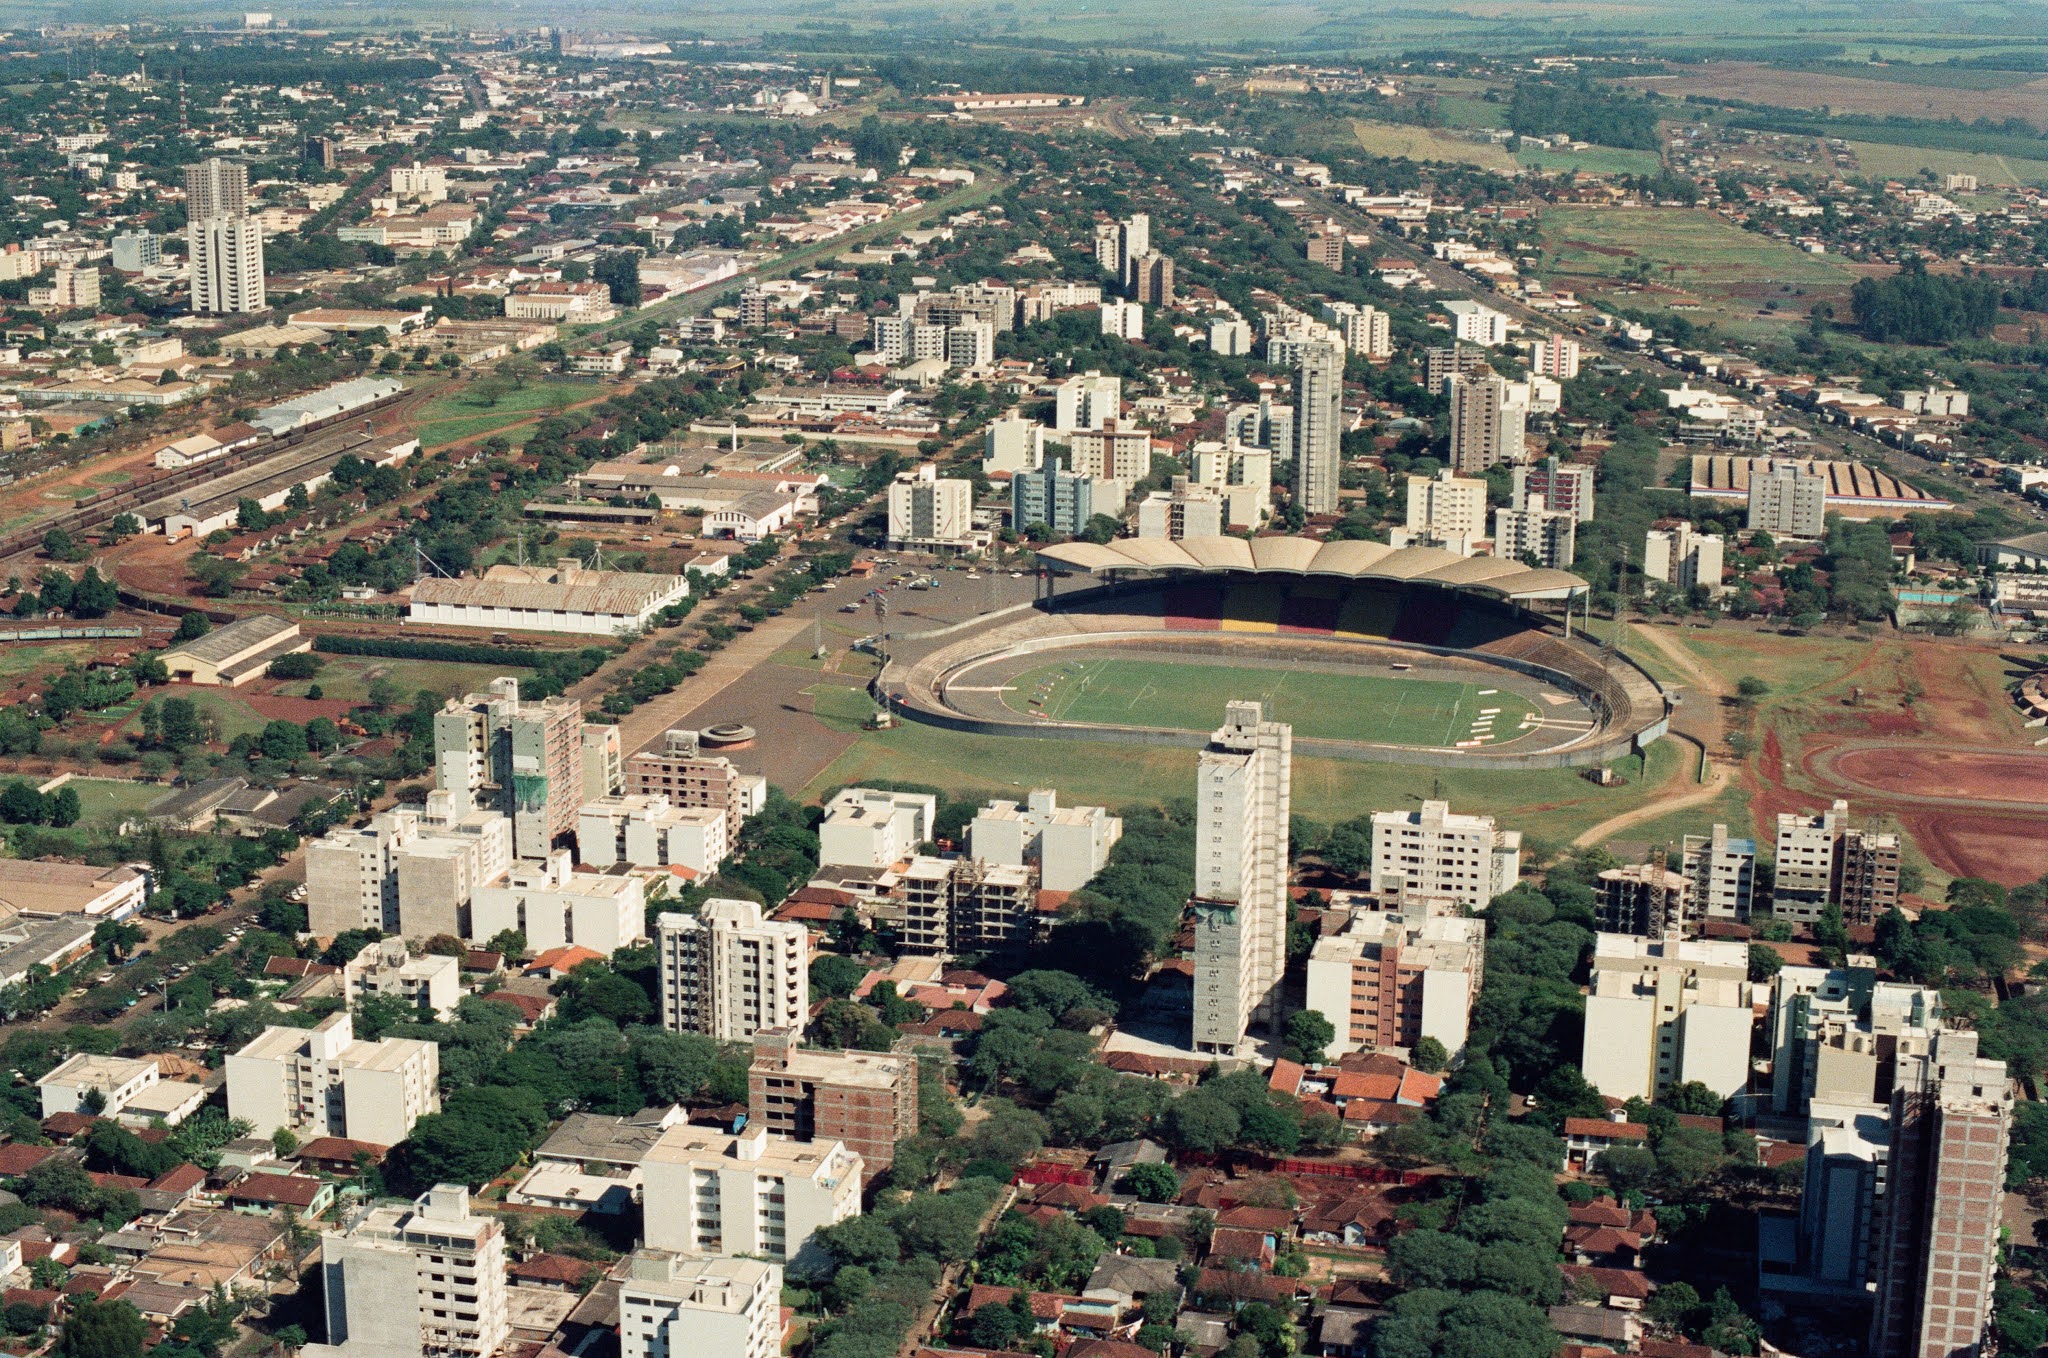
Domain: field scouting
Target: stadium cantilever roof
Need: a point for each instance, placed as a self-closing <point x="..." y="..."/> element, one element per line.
<point x="1348" y="560"/>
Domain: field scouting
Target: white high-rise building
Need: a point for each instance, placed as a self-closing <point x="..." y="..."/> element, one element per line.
<point x="1013" y="444"/>
<point x="1447" y="505"/>
<point x="1318" y="426"/>
<point x="1722" y="870"/>
<point x="707" y="1193"/>
<point x="1435" y="851"/>
<point x="728" y="972"/>
<point x="1554" y="356"/>
<point x="226" y="243"/>
<point x="1683" y="558"/>
<point x="868" y="827"/>
<point x="428" y="183"/>
<point x="1242" y="475"/>
<point x="927" y="510"/>
<point x="1070" y="844"/>
<point x="1366" y="330"/>
<point x="1547" y="537"/>
<point x="1488" y="425"/>
<point x="426" y="1277"/>
<point x="322" y="1082"/>
<point x="1230" y="337"/>
<point x="971" y="345"/>
<point x="1086" y="401"/>
<point x="1125" y="320"/>
<point x="678" y="1306"/>
<point x="1241" y="908"/>
<point x="555" y="905"/>
<point x="1664" y="1011"/>
<point x="1476" y="324"/>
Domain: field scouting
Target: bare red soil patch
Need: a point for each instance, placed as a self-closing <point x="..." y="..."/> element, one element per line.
<point x="1974" y="775"/>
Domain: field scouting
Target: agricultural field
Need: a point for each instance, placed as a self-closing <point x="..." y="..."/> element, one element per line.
<point x="1880" y="160"/>
<point x="1401" y="142"/>
<point x="1319" y="704"/>
<point x="1934" y="92"/>
<point x="1607" y="160"/>
<point x="1551" y="804"/>
<point x="1684" y="255"/>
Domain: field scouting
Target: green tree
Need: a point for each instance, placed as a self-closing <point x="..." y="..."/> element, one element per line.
<point x="1309" y="1033"/>
<point x="1150" y="1183"/>
<point x="1429" y="1056"/>
<point x="102" y="1329"/>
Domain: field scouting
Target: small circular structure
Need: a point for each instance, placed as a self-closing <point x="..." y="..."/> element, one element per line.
<point x="731" y="735"/>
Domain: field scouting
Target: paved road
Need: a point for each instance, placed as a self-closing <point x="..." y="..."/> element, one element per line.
<point x="645" y="723"/>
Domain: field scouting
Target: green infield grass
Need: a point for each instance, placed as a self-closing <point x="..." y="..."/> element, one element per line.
<point x="1319" y="704"/>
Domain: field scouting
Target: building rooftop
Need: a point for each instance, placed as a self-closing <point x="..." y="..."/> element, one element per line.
<point x="38" y="888"/>
<point x="225" y="643"/>
<point x="565" y="588"/>
<point x="98" y="1072"/>
<point x="864" y="1070"/>
<point x="685" y="1144"/>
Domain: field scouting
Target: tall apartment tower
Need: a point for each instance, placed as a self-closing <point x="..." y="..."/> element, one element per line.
<point x="1242" y="780"/>
<point x="1487" y="425"/>
<point x="524" y="759"/>
<point x="1823" y="858"/>
<point x="1938" y="1244"/>
<point x="1152" y="279"/>
<point x="423" y="1277"/>
<point x="1435" y="851"/>
<point x="1722" y="870"/>
<point x="728" y="972"/>
<point x="866" y="1099"/>
<point x="1318" y="426"/>
<point x="1326" y="247"/>
<point x="226" y="243"/>
<point x="1787" y="499"/>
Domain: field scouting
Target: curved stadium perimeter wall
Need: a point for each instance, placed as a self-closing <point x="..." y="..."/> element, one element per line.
<point x="1630" y="707"/>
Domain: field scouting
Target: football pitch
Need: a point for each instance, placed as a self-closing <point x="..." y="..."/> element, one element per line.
<point x="1318" y="704"/>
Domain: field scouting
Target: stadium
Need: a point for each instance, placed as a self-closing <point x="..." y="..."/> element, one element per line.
<point x="1405" y="655"/>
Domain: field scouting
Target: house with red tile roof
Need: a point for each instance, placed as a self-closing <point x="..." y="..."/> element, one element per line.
<point x="556" y="963"/>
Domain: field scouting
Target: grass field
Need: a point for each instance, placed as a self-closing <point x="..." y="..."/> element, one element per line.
<point x="1691" y="256"/>
<point x="1550" y="804"/>
<point x="109" y="797"/>
<point x="1611" y="160"/>
<point x="1400" y="142"/>
<point x="1882" y="161"/>
<point x="456" y="415"/>
<point x="347" y="678"/>
<point x="1320" y="705"/>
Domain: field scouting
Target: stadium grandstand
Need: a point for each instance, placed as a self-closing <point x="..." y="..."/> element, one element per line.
<point x="1272" y="606"/>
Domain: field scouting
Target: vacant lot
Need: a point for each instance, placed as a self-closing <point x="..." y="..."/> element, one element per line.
<point x="1421" y="144"/>
<point x="1318" y="704"/>
<point x="1918" y="735"/>
<point x="1608" y="160"/>
<point x="1781" y="87"/>
<point x="1689" y="259"/>
<point x="460" y="414"/>
<point x="347" y="678"/>
<point x="1881" y="161"/>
